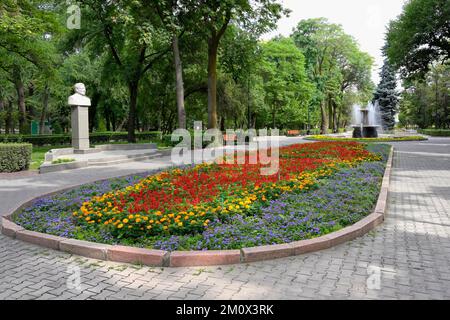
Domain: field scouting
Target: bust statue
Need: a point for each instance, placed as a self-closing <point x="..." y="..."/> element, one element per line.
<point x="79" y="98"/>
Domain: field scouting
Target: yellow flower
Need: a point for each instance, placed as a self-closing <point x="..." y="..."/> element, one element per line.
<point x="130" y="216"/>
<point x="120" y="226"/>
<point x="138" y="220"/>
<point x="180" y="224"/>
<point x="165" y="227"/>
<point x="125" y="220"/>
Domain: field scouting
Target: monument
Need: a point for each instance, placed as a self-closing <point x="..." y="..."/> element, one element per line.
<point x="80" y="104"/>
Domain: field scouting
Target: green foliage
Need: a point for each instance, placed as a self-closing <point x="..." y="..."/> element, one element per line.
<point x="95" y="138"/>
<point x="435" y="132"/>
<point x="123" y="54"/>
<point x="285" y="83"/>
<point x="426" y="103"/>
<point x="337" y="68"/>
<point x="384" y="139"/>
<point x="419" y="37"/>
<point x="15" y="156"/>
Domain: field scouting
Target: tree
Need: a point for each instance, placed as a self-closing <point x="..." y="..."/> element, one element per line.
<point x="24" y="27"/>
<point x="386" y="96"/>
<point x="335" y="65"/>
<point x="426" y="102"/>
<point x="419" y="36"/>
<point x="175" y="16"/>
<point x="240" y="56"/>
<point x="258" y="16"/>
<point x="286" y="85"/>
<point x="133" y="35"/>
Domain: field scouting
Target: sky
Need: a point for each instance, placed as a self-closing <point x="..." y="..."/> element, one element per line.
<point x="365" y="20"/>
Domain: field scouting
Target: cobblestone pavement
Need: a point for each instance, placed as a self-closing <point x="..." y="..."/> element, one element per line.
<point x="409" y="254"/>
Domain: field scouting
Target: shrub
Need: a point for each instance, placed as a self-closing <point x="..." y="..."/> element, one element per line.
<point x="381" y="139"/>
<point x="15" y="156"/>
<point x="436" y="132"/>
<point x="66" y="139"/>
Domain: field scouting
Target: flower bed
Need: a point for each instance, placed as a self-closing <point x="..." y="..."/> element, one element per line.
<point x="213" y="206"/>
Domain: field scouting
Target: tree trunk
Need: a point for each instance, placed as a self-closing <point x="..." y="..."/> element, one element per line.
<point x="93" y="123"/>
<point x="330" y="114"/>
<point x="44" y="109"/>
<point x="2" y="107"/>
<point x="9" y="123"/>
<point x="30" y="106"/>
<point x="273" y="119"/>
<point x="335" y="117"/>
<point x="107" y="121"/>
<point x="212" y="83"/>
<point x="133" y="90"/>
<point x="179" y="83"/>
<point x="338" y="121"/>
<point x="23" y="125"/>
<point x="324" y="122"/>
<point x="113" y="120"/>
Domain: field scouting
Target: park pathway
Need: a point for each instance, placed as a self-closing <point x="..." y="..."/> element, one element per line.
<point x="408" y="257"/>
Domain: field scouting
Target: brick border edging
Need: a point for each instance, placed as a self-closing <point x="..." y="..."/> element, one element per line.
<point x="159" y="258"/>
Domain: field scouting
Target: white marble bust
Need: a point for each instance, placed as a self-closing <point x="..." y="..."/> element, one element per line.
<point x="79" y="98"/>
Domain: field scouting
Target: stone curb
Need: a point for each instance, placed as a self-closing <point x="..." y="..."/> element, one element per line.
<point x="40" y="239"/>
<point x="9" y="228"/>
<point x="204" y="258"/>
<point x="159" y="258"/>
<point x="85" y="248"/>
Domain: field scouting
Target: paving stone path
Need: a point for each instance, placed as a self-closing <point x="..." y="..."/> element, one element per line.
<point x="408" y="257"/>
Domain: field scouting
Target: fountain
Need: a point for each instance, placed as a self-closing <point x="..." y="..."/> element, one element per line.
<point x="368" y="119"/>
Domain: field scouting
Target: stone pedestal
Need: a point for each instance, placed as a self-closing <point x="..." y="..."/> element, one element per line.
<point x="80" y="127"/>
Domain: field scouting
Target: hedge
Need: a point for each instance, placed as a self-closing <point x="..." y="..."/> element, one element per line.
<point x="66" y="139"/>
<point x="436" y="132"/>
<point x="380" y="139"/>
<point x="15" y="156"/>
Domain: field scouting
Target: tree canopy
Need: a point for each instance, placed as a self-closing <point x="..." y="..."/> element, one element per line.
<point x="419" y="37"/>
<point x="163" y="64"/>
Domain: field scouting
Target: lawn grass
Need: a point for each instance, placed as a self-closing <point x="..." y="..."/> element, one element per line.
<point x="38" y="155"/>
